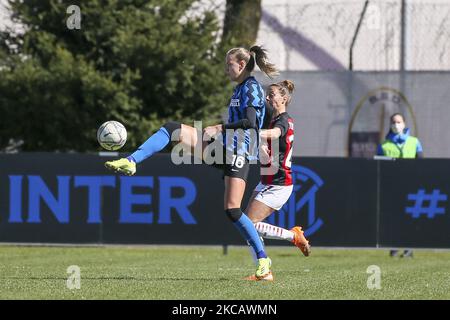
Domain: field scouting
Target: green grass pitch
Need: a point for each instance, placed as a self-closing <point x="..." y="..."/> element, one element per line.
<point x="185" y="272"/>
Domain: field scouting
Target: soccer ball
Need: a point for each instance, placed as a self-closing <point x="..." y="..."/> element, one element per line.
<point x="112" y="135"/>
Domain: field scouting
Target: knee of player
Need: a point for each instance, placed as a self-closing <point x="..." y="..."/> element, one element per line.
<point x="233" y="214"/>
<point x="171" y="127"/>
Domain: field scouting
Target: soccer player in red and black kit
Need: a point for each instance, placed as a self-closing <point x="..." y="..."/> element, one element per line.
<point x="276" y="185"/>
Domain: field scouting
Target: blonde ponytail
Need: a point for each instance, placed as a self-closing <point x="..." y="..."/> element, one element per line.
<point x="256" y="55"/>
<point x="260" y="55"/>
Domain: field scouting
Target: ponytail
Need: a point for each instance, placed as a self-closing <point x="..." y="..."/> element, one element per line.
<point x="288" y="84"/>
<point x="256" y="55"/>
<point x="260" y="55"/>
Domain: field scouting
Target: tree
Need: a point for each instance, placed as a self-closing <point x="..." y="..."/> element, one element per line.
<point x="241" y="23"/>
<point x="140" y="62"/>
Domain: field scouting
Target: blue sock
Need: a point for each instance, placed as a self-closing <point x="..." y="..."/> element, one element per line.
<point x="248" y="230"/>
<point x="155" y="143"/>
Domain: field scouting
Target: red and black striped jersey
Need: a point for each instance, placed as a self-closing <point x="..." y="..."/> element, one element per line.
<point x="281" y="173"/>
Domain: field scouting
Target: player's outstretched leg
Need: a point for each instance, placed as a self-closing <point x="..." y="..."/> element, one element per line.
<point x="158" y="141"/>
<point x="300" y="241"/>
<point x="295" y="235"/>
<point x="123" y="165"/>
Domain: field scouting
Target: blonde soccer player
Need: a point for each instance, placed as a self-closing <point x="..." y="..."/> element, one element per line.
<point x="246" y="112"/>
<point x="276" y="183"/>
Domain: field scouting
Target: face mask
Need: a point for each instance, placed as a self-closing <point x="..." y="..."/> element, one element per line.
<point x="397" y="128"/>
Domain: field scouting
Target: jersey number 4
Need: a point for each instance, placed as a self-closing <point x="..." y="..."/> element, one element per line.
<point x="288" y="162"/>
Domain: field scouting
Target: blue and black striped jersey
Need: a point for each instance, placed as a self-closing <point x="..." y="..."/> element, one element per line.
<point x="249" y="93"/>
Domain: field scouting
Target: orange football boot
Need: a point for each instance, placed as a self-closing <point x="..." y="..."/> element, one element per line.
<point x="267" y="277"/>
<point x="300" y="241"/>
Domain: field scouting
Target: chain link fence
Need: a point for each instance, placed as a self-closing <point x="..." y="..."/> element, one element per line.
<point x="317" y="35"/>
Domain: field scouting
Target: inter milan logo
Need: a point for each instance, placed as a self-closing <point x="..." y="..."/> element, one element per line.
<point x="302" y="200"/>
<point x="234" y="103"/>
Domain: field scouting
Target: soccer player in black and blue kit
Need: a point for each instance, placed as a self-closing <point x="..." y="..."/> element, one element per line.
<point x="240" y="142"/>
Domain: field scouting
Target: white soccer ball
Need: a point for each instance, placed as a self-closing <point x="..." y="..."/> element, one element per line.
<point x="112" y="135"/>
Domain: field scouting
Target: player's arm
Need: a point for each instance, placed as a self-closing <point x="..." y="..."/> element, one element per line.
<point x="248" y="122"/>
<point x="281" y="127"/>
<point x="270" y="134"/>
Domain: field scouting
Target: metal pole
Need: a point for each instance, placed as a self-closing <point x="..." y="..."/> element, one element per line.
<point x="350" y="67"/>
<point x="403" y="53"/>
<point x="402" y="35"/>
<point x="358" y="26"/>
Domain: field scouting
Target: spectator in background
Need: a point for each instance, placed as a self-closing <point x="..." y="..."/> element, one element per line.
<point x="400" y="144"/>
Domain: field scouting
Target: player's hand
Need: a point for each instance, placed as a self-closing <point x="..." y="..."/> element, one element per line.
<point x="212" y="131"/>
<point x="264" y="154"/>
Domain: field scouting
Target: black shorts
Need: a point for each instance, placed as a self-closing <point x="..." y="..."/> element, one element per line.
<point x="235" y="166"/>
<point x="239" y="169"/>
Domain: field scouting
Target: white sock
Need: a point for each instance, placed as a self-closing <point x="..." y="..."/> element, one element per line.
<point x="269" y="231"/>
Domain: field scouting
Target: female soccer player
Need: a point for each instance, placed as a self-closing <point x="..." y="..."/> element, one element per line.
<point x="246" y="116"/>
<point x="276" y="185"/>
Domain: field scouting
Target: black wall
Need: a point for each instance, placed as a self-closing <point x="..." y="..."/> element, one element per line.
<point x="72" y="198"/>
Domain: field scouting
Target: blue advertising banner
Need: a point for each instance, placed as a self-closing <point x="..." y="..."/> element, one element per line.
<point x="73" y="198"/>
<point x="414" y="203"/>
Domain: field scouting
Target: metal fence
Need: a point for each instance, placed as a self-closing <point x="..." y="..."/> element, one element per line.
<point x="328" y="107"/>
<point x="393" y="34"/>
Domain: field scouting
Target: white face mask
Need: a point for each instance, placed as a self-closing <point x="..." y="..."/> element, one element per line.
<point x="397" y="127"/>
